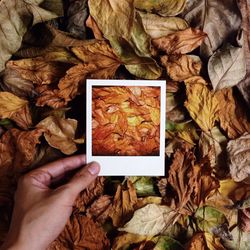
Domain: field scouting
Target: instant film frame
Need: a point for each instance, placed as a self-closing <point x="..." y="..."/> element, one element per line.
<point x="128" y="165"/>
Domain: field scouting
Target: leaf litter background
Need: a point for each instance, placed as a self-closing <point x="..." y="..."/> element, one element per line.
<point x="201" y="47"/>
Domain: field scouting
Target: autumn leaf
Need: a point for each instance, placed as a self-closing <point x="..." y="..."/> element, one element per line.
<point x="161" y="7"/>
<point x="227" y="66"/>
<point x="60" y="133"/>
<point x="202" y="105"/>
<point x="166" y="242"/>
<point x="82" y="232"/>
<point x="123" y="204"/>
<point x="13" y="26"/>
<point x="238" y="152"/>
<point x="180" y="42"/>
<point x="181" y="67"/>
<point x="209" y="15"/>
<point x="122" y="27"/>
<point x="157" y="26"/>
<point x="232" y="117"/>
<point x="157" y="219"/>
<point x="144" y="185"/>
<point x="16" y="109"/>
<point x="91" y="23"/>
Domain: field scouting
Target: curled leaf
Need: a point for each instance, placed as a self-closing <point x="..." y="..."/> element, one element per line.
<point x="180" y="42"/>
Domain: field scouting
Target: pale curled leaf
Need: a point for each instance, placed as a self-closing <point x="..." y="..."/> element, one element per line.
<point x="180" y="42"/>
<point x="16" y="17"/>
<point x="157" y="26"/>
<point x="227" y="67"/>
<point x="161" y="7"/>
<point x="220" y="19"/>
<point x="239" y="157"/>
<point x="60" y="133"/>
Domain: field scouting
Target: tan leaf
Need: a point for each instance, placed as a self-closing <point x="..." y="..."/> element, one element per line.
<point x="38" y="70"/>
<point x="180" y="42"/>
<point x="238" y="152"/>
<point x="81" y="232"/>
<point x="232" y="117"/>
<point x="88" y="195"/>
<point x="16" y="109"/>
<point x="123" y="205"/>
<point x="202" y="105"/>
<point x="100" y="209"/>
<point x="157" y="26"/>
<point x="91" y="23"/>
<point x="60" y="133"/>
<point x="244" y="220"/>
<point x="181" y="67"/>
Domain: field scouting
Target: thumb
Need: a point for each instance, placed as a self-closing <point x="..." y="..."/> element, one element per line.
<point x="81" y="180"/>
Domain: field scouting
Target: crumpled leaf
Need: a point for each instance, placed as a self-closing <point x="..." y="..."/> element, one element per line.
<point x="16" y="109"/>
<point x="227" y="67"/>
<point x="157" y="26"/>
<point x="125" y="32"/>
<point x="161" y="7"/>
<point x="232" y="116"/>
<point x="100" y="209"/>
<point x="238" y="152"/>
<point x="208" y="218"/>
<point x="202" y="105"/>
<point x="60" y="133"/>
<point x="184" y="194"/>
<point x="16" y="18"/>
<point x="144" y="185"/>
<point x="166" y="242"/>
<point x="244" y="85"/>
<point x="157" y="219"/>
<point x="180" y="42"/>
<point x="181" y="67"/>
<point x="77" y="13"/>
<point x="220" y="19"/>
<point x="91" y="23"/>
<point x="244" y="220"/>
<point x="123" y="204"/>
<point x="88" y="195"/>
<point x="81" y="232"/>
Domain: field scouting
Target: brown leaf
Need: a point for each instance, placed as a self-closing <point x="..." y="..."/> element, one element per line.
<point x="232" y="116"/>
<point x="16" y="109"/>
<point x="88" y="195"/>
<point x="91" y="23"/>
<point x="81" y="232"/>
<point x="180" y="42"/>
<point x="244" y="220"/>
<point x="189" y="183"/>
<point x="181" y="67"/>
<point x="198" y="242"/>
<point x="123" y="205"/>
<point x="100" y="209"/>
<point x="38" y="70"/>
<point x="60" y="133"/>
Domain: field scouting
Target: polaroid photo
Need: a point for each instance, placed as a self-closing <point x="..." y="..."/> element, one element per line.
<point x="126" y="126"/>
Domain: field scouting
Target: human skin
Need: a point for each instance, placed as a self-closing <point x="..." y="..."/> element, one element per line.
<point x="40" y="213"/>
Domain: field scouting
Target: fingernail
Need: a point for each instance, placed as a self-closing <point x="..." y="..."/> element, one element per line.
<point x="94" y="168"/>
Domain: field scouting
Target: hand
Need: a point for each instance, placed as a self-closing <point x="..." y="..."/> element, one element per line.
<point x="41" y="213"/>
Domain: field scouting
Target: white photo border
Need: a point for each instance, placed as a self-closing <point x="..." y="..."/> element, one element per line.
<point x="127" y="165"/>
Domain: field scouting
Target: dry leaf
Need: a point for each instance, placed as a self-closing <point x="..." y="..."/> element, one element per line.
<point x="88" y="195"/>
<point x="123" y="205"/>
<point x="227" y="67"/>
<point x="15" y="19"/>
<point x="238" y="152"/>
<point x="81" y="232"/>
<point x="16" y="109"/>
<point x="158" y="218"/>
<point x="60" y="133"/>
<point x="100" y="209"/>
<point x="157" y="26"/>
<point x="201" y="105"/>
<point x="180" y="42"/>
<point x="232" y="116"/>
<point x="161" y="7"/>
<point x="181" y="67"/>
<point x="244" y="220"/>
<point x="91" y="23"/>
<point x="220" y="19"/>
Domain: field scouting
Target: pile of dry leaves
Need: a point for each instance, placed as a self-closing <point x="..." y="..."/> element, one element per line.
<point x="48" y="48"/>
